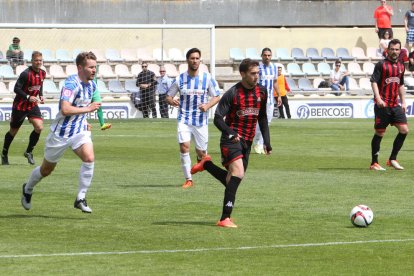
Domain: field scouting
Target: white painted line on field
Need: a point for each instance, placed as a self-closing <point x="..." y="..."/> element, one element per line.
<point x="201" y="249"/>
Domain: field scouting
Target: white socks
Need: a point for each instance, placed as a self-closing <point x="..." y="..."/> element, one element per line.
<point x="85" y="178"/>
<point x="186" y="164"/>
<point x="34" y="178"/>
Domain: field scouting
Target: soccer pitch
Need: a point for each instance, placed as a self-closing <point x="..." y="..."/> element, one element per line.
<point x="292" y="207"/>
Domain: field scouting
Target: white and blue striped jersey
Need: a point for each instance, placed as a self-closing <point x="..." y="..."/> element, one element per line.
<point x="79" y="94"/>
<point x="267" y="75"/>
<point x="194" y="91"/>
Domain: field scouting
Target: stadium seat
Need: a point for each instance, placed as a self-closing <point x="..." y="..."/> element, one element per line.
<point x="3" y="88"/>
<point x="6" y="72"/>
<point x="342" y="68"/>
<point x="27" y="54"/>
<point x="359" y="54"/>
<point x="343" y="54"/>
<point x="61" y="84"/>
<point x="102" y="86"/>
<point x="129" y="55"/>
<point x="56" y="71"/>
<point x="160" y="54"/>
<point x="374" y="54"/>
<point x="355" y="69"/>
<point x="299" y="55"/>
<point x="282" y="54"/>
<point x="170" y="70"/>
<point x="131" y="86"/>
<point x="224" y="71"/>
<point x="76" y="52"/>
<point x="136" y="69"/>
<point x="317" y="81"/>
<point x="100" y="55"/>
<point x="105" y="71"/>
<point x="122" y="71"/>
<point x="49" y="89"/>
<point x="144" y="55"/>
<point x="11" y="86"/>
<point x="63" y="55"/>
<point x="305" y="85"/>
<point x="20" y="69"/>
<point x="175" y="54"/>
<point x="313" y="54"/>
<point x="309" y="69"/>
<point x="71" y="69"/>
<point x="368" y="68"/>
<point x="253" y="53"/>
<point x="294" y="70"/>
<point x="365" y="84"/>
<point x="113" y="55"/>
<point x="278" y="64"/>
<point x="115" y="86"/>
<point x="154" y="68"/>
<point x="236" y="54"/>
<point x="324" y="68"/>
<point x="328" y="54"/>
<point x="2" y="58"/>
<point x="353" y="85"/>
<point x="48" y="55"/>
<point x="292" y="85"/>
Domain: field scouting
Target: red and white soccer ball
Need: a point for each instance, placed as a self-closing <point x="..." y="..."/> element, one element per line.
<point x="361" y="216"/>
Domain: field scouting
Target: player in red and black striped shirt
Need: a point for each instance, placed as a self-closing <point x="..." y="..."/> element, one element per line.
<point x="388" y="86"/>
<point x="237" y="113"/>
<point x="29" y="93"/>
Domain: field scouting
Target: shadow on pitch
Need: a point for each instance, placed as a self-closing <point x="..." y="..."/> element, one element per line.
<point x="30" y="216"/>
<point x="179" y="223"/>
<point x="345" y="169"/>
<point x="148" y="186"/>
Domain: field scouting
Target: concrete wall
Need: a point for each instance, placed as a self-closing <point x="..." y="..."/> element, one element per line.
<point x="218" y="12"/>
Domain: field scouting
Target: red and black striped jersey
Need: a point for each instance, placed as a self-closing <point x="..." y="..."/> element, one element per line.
<point x="30" y="83"/>
<point x="241" y="108"/>
<point x="389" y="76"/>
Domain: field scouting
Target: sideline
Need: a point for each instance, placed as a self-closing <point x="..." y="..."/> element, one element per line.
<point x="202" y="249"/>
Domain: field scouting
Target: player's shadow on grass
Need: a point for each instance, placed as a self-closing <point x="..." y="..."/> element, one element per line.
<point x="180" y="223"/>
<point x="149" y="186"/>
<point x="31" y="216"/>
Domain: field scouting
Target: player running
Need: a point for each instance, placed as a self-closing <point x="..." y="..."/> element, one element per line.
<point x="237" y="113"/>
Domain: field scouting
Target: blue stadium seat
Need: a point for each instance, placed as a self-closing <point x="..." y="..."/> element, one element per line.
<point x="297" y="54"/>
<point x="253" y="53"/>
<point x="236" y="54"/>
<point x="76" y="52"/>
<point x="50" y="89"/>
<point x="2" y="58"/>
<point x="63" y="55"/>
<point x="292" y="85"/>
<point x="305" y="85"/>
<point x="324" y="69"/>
<point x="282" y="54"/>
<point x="313" y="54"/>
<point x="328" y="54"/>
<point x="48" y="55"/>
<point x="102" y="86"/>
<point x="115" y="86"/>
<point x="309" y="69"/>
<point x="131" y="86"/>
<point x="113" y="55"/>
<point x="27" y="54"/>
<point x="6" y="72"/>
<point x="294" y="70"/>
<point x="343" y="54"/>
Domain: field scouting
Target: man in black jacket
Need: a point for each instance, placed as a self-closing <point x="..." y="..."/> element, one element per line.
<point x="147" y="84"/>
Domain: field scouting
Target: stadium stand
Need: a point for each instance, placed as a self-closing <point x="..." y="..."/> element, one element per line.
<point x="2" y="58"/>
<point x="305" y="85"/>
<point x="6" y="72"/>
<point x="11" y="86"/>
<point x="309" y="69"/>
<point x="355" y="69"/>
<point x="105" y="71"/>
<point x="365" y="84"/>
<point x="368" y="67"/>
<point x="170" y="70"/>
<point x="115" y="86"/>
<point x="278" y="64"/>
<point x="236" y="54"/>
<point x="282" y="54"/>
<point x="75" y="53"/>
<point x="50" y="90"/>
<point x="253" y="53"/>
<point x="129" y="55"/>
<point x="20" y="69"/>
<point x="131" y="87"/>
<point x="56" y="71"/>
<point x="160" y="55"/>
<point x="175" y="54"/>
<point x="63" y="55"/>
<point x="224" y="71"/>
<point x="136" y="69"/>
<point x="144" y="55"/>
<point x="27" y="54"/>
<point x="48" y="56"/>
<point x="294" y="70"/>
<point x="313" y="54"/>
<point x="353" y="86"/>
<point x="71" y="69"/>
<point x="374" y="54"/>
<point x="100" y="55"/>
<point x="154" y="68"/>
<point x="102" y="86"/>
<point x="292" y="85"/>
<point x="317" y="81"/>
<point x="324" y="69"/>
<point x="359" y="54"/>
<point x="61" y="84"/>
<point x="328" y="54"/>
<point x="122" y="71"/>
<point x="113" y="55"/>
<point x="343" y="54"/>
<point x="3" y="88"/>
<point x="299" y="55"/>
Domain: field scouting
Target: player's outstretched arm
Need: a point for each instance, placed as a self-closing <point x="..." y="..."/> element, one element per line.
<point x="68" y="110"/>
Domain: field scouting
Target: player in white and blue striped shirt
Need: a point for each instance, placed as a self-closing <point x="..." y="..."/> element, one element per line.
<point x="70" y="129"/>
<point x="267" y="78"/>
<point x="198" y="92"/>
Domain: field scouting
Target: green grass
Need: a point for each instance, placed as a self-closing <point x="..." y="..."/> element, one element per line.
<point x="300" y="195"/>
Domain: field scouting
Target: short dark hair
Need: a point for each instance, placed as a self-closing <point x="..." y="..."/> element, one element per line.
<point x="192" y="50"/>
<point x="16" y="40"/>
<point x="83" y="56"/>
<point x="36" y="53"/>
<point x="246" y="64"/>
<point x="394" y="41"/>
<point x="338" y="61"/>
<point x="266" y="49"/>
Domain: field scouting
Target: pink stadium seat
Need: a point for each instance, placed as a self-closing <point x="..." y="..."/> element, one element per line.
<point x="106" y="71"/>
<point x="20" y="69"/>
<point x="359" y="53"/>
<point x="355" y="69"/>
<point x="175" y="54"/>
<point x="170" y="70"/>
<point x="154" y="68"/>
<point x="160" y="55"/>
<point x="373" y="53"/>
<point x="144" y="55"/>
<point x="56" y="71"/>
<point x="3" y="88"/>
<point x="129" y="55"/>
<point x="11" y="85"/>
<point x="122" y="71"/>
<point x="136" y="69"/>
<point x="71" y="69"/>
<point x="100" y="55"/>
<point x="368" y="67"/>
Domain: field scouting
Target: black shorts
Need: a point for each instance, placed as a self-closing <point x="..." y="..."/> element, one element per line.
<point x="230" y="152"/>
<point x="389" y="115"/>
<point x="18" y="116"/>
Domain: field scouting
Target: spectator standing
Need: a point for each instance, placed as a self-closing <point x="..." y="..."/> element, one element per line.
<point x="382" y="17"/>
<point x="14" y="53"/>
<point x="283" y="89"/>
<point x="339" y="78"/>
<point x="409" y="27"/>
<point x="163" y="84"/>
<point x="146" y="81"/>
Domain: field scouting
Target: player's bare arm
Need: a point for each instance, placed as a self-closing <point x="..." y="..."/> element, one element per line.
<point x="377" y="96"/>
<point x="172" y="101"/>
<point x="276" y="88"/>
<point x="210" y="104"/>
<point x="69" y="110"/>
<point x="401" y="93"/>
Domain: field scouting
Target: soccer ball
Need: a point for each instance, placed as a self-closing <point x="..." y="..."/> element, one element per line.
<point x="361" y="216"/>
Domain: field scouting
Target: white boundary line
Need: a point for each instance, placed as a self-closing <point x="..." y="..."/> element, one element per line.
<point x="202" y="249"/>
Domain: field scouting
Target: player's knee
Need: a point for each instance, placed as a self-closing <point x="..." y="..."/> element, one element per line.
<point x="380" y="132"/>
<point x="38" y="129"/>
<point x="46" y="171"/>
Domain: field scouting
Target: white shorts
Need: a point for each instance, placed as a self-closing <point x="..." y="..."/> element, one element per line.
<point x="56" y="146"/>
<point x="199" y="133"/>
<point x="269" y="112"/>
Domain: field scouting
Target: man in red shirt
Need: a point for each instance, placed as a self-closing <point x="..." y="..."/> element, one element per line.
<point x="382" y="16"/>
